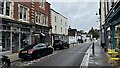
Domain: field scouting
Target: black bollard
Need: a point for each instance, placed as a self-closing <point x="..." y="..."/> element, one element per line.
<point x="93" y="48"/>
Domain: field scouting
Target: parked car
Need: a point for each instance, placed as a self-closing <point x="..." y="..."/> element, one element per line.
<point x="60" y="44"/>
<point x="35" y="51"/>
<point x="4" y="61"/>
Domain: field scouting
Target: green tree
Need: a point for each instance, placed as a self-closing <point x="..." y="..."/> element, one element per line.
<point x="81" y="31"/>
<point x="94" y="32"/>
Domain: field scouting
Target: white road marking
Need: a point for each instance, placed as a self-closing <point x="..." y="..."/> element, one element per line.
<point x="85" y="61"/>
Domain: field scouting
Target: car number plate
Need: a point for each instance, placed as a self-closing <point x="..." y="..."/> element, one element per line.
<point x="24" y="51"/>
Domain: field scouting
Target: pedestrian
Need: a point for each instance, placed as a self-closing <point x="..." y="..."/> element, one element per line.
<point x="93" y="48"/>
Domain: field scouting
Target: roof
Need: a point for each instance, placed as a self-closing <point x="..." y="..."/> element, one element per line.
<point x="58" y="13"/>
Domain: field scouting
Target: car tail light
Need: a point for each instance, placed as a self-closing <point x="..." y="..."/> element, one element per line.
<point x="30" y="51"/>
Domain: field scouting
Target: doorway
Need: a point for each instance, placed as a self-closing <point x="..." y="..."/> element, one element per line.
<point x="15" y="42"/>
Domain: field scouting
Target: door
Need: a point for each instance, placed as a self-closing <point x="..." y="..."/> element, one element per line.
<point x="15" y="43"/>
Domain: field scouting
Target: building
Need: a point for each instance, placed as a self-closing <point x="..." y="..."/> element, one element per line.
<point x="111" y="26"/>
<point x="72" y="35"/>
<point x="59" y="26"/>
<point x="23" y="23"/>
<point x="102" y="22"/>
<point x="41" y="32"/>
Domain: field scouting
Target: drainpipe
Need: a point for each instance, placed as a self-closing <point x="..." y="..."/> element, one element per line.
<point x="105" y="37"/>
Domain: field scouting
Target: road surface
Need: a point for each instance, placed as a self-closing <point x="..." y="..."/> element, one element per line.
<point x="66" y="58"/>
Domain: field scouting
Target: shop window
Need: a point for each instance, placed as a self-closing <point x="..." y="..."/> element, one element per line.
<point x="5" y="41"/>
<point x="1" y="7"/>
<point x="117" y="36"/>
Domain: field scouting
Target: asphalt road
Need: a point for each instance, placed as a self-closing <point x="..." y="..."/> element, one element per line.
<point x="67" y="58"/>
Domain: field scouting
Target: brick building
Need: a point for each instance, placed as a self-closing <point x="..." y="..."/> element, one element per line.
<point x="23" y="23"/>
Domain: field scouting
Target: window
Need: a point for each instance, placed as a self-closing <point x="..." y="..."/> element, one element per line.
<point x="45" y="20"/>
<point x="61" y="29"/>
<point x="21" y="8"/>
<point x="65" y="24"/>
<point x="8" y="8"/>
<point x="23" y="13"/>
<point x="37" y="17"/>
<point x="1" y="7"/>
<point x="55" y="18"/>
<point x="42" y="3"/>
<point x="61" y="21"/>
<point x="55" y="28"/>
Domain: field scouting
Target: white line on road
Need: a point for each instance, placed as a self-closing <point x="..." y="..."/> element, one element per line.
<point x="85" y="60"/>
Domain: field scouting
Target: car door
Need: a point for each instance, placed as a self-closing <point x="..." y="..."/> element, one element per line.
<point x="40" y="49"/>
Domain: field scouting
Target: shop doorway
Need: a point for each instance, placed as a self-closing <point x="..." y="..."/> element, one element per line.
<point x="15" y="43"/>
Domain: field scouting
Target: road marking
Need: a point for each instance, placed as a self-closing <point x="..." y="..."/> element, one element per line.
<point x="85" y="60"/>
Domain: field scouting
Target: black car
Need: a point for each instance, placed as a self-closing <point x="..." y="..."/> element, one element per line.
<point x="35" y="51"/>
<point x="4" y="61"/>
<point x="60" y="44"/>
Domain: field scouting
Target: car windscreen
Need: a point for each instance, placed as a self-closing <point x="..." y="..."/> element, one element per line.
<point x="29" y="47"/>
<point x="39" y="46"/>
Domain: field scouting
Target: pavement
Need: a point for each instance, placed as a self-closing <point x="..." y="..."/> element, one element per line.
<point x="99" y="59"/>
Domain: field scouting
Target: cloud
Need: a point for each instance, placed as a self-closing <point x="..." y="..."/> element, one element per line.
<point x="73" y="0"/>
<point x="81" y="15"/>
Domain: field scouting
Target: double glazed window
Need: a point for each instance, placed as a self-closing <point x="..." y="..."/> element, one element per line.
<point x="23" y="13"/>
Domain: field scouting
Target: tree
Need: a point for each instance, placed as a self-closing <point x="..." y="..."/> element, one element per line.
<point x="81" y="31"/>
<point x="94" y="32"/>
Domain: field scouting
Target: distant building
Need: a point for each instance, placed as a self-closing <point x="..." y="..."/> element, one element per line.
<point x="59" y="26"/>
<point x="72" y="35"/>
<point x="75" y="36"/>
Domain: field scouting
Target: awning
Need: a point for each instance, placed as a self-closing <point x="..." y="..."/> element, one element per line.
<point x="42" y="34"/>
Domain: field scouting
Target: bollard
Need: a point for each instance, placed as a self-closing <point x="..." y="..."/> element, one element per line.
<point x="93" y="47"/>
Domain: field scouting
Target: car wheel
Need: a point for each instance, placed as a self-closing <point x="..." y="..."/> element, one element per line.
<point x="5" y="64"/>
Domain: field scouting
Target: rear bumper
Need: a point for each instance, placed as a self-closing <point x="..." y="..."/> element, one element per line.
<point x="25" y="55"/>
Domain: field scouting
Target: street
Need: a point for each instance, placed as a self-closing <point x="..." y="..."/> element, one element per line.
<point x="71" y="57"/>
<point x="68" y="57"/>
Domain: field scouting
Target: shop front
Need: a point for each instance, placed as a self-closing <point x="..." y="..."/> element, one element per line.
<point x="14" y="35"/>
<point x="41" y="34"/>
<point x="113" y="22"/>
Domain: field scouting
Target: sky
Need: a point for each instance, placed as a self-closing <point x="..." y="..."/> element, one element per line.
<point x="81" y="14"/>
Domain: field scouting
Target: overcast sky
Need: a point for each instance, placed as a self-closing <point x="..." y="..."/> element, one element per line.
<point x="81" y="14"/>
